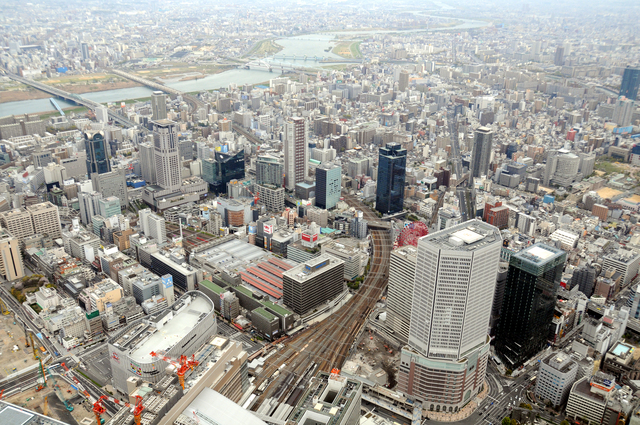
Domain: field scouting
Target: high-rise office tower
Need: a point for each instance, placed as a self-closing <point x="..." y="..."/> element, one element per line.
<point x="109" y="206"/>
<point x="630" y="83"/>
<point x="403" y="80"/>
<point x="113" y="183"/>
<point x="328" y="185"/>
<point x="147" y="162"/>
<point x="623" y="112"/>
<point x="89" y="205"/>
<point x="221" y="169"/>
<point x="269" y="170"/>
<point x="558" y="59"/>
<point x="158" y="106"/>
<point x="11" y="266"/>
<point x="481" y="153"/>
<point x="97" y="153"/>
<point x="392" y="163"/>
<point x="85" y="51"/>
<point x="532" y="282"/>
<point x="296" y="151"/>
<point x="402" y="271"/>
<point x="313" y="283"/>
<point x="165" y="143"/>
<point x="444" y="363"/>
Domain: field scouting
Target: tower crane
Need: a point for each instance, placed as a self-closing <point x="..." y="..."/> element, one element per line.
<point x="256" y="197"/>
<point x="182" y="364"/>
<point x="99" y="409"/>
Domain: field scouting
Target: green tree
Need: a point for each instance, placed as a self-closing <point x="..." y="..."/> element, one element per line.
<point x="564" y="422"/>
<point x="526" y="406"/>
<point x="506" y="420"/>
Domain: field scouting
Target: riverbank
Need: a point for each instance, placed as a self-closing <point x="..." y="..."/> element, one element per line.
<point x="29" y="93"/>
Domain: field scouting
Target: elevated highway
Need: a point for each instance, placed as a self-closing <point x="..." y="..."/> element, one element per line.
<point x="71" y="97"/>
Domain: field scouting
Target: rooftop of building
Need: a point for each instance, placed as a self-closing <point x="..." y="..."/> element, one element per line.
<point x="583" y="388"/>
<point x="210" y="404"/>
<point x="41" y="206"/>
<point x="12" y="414"/>
<point x="329" y="396"/>
<point x="143" y="336"/>
<point x="467" y="236"/>
<point x="539" y="253"/>
<point x="313" y="267"/>
<point x="560" y="361"/>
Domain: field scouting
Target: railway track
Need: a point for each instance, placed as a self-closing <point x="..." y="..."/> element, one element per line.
<point x="327" y="344"/>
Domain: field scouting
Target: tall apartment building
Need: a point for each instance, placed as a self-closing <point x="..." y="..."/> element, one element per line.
<point x="392" y="164"/>
<point x="271" y="196"/>
<point x="167" y="161"/>
<point x="269" y="170"/>
<point x="153" y="225"/>
<point x="402" y="271"/>
<point x="310" y="284"/>
<point x="444" y="363"/>
<point x="46" y="219"/>
<point x="532" y="282"/>
<point x="557" y="374"/>
<point x="481" y="153"/>
<point x="97" y="153"/>
<point x="158" y="106"/>
<point x="147" y="162"/>
<point x="296" y="151"/>
<point x="328" y="185"/>
<point x="11" y="266"/>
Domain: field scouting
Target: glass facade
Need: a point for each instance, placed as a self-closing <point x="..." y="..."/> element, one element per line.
<point x="529" y="301"/>
<point x="392" y="165"/>
<point x="328" y="186"/>
<point x="630" y="83"/>
<point x="221" y="169"/>
<point x="97" y="156"/>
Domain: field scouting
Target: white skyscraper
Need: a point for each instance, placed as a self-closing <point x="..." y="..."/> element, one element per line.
<point x="158" y="106"/>
<point x="296" y="151"/>
<point x="152" y="225"/>
<point x="165" y="143"/>
<point x="456" y="269"/>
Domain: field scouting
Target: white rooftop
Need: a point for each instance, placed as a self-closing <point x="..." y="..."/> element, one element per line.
<point x="173" y="330"/>
<point x="212" y="408"/>
<point x="540" y="252"/>
<point x="468" y="236"/>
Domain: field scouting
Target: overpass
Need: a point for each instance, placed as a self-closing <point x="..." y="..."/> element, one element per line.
<point x="192" y="100"/>
<point x="262" y="65"/>
<point x="71" y="97"/>
<point x="303" y="58"/>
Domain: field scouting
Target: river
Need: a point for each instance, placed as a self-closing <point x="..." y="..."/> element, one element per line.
<point x="310" y="45"/>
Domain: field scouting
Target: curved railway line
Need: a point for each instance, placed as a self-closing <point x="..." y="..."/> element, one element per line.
<point x="327" y="344"/>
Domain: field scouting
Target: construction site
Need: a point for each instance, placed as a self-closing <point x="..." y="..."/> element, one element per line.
<point x="374" y="359"/>
<point x="15" y="353"/>
<point x="56" y="399"/>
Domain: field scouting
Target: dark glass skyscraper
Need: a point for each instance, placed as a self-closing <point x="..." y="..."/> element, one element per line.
<point x="481" y="154"/>
<point x="392" y="165"/>
<point x="630" y="83"/>
<point x="529" y="301"/>
<point x="222" y="169"/>
<point x="97" y="153"/>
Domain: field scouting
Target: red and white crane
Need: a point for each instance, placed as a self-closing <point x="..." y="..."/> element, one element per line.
<point x="99" y="409"/>
<point x="182" y="364"/>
